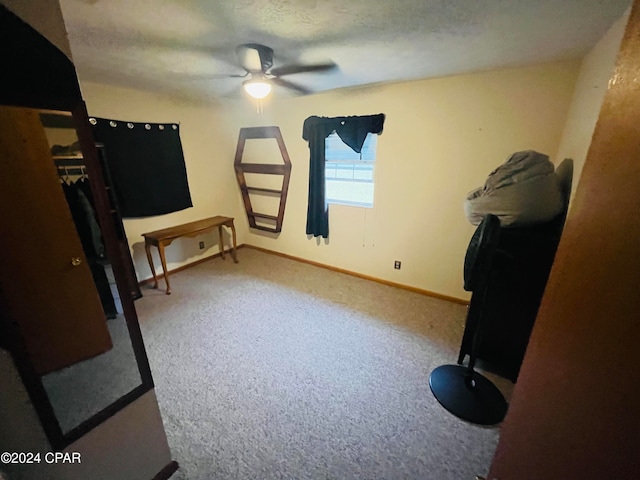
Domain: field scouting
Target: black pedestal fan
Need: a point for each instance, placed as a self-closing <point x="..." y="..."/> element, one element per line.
<point x="461" y="390"/>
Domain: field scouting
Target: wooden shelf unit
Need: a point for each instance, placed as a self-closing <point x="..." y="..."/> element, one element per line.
<point x="283" y="169"/>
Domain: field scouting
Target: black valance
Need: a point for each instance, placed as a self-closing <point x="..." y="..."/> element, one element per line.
<point x="353" y="132"/>
<point x="146" y="165"/>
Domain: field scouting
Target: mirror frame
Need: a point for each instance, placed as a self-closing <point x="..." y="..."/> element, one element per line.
<point x="41" y="77"/>
<point x="32" y="381"/>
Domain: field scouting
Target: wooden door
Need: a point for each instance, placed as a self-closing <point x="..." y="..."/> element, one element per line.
<point x="46" y="286"/>
<point x="575" y="411"/>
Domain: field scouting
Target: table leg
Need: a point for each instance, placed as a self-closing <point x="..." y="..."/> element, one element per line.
<point x="233" y="234"/>
<point x="147" y="249"/>
<point x="164" y="266"/>
<point x="220" y="242"/>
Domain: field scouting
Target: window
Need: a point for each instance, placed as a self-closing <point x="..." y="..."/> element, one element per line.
<point x="349" y="175"/>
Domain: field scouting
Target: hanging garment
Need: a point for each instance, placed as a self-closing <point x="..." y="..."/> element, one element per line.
<point x="84" y="217"/>
<point x="90" y="236"/>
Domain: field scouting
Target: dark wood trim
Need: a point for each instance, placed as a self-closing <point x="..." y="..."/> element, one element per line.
<point x="263" y="190"/>
<point x="264" y="168"/>
<point x="103" y="415"/>
<point x="42" y="405"/>
<point x="261" y="132"/>
<point x="14" y="342"/>
<point x="42" y="77"/>
<point x="263" y="227"/>
<point x="265" y="216"/>
<point x="167" y="471"/>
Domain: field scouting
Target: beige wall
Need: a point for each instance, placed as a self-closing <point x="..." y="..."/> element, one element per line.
<point x="591" y="86"/>
<point x="441" y="139"/>
<point x="208" y="150"/>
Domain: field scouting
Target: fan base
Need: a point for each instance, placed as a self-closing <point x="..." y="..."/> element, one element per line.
<point x="468" y="395"/>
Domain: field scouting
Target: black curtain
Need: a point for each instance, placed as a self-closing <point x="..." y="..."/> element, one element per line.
<point x="353" y="132"/>
<point x="146" y="165"/>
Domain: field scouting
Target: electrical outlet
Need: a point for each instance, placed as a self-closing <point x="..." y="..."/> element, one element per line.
<point x="397" y="264"/>
<point x="201" y="245"/>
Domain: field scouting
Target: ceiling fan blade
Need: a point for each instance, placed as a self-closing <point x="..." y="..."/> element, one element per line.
<point x="226" y="75"/>
<point x="291" y="69"/>
<point x="292" y="86"/>
<point x="205" y="76"/>
<point x="254" y="57"/>
<point x="251" y="61"/>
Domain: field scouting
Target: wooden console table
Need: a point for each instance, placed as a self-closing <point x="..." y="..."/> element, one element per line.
<point x="164" y="237"/>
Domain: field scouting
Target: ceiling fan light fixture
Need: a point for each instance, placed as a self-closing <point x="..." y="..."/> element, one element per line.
<point x="257" y="87"/>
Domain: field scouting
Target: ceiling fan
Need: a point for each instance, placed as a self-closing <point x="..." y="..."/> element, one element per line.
<point x="257" y="61"/>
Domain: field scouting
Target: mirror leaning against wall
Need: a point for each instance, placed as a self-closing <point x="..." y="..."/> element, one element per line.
<point x="66" y="300"/>
<point x="87" y="386"/>
<point x="69" y="332"/>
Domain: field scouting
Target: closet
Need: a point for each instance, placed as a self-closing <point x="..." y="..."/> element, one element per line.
<point x="71" y="168"/>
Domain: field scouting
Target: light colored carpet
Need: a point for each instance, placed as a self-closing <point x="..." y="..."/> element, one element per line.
<point x="275" y="369"/>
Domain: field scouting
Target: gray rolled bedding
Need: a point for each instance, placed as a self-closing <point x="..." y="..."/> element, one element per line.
<point x="525" y="190"/>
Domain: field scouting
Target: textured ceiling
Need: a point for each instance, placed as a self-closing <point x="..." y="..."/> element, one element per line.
<point x="182" y="47"/>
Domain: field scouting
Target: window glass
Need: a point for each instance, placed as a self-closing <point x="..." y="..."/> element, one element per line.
<point x="349" y="175"/>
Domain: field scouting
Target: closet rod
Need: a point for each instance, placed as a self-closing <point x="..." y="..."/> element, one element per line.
<point x="62" y="171"/>
<point x="69" y="162"/>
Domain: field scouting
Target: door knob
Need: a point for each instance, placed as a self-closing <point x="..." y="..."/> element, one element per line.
<point x="75" y="261"/>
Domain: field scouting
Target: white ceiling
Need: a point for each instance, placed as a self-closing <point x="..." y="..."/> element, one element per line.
<point x="181" y="47"/>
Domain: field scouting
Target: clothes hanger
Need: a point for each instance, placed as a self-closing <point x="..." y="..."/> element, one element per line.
<point x="66" y="178"/>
